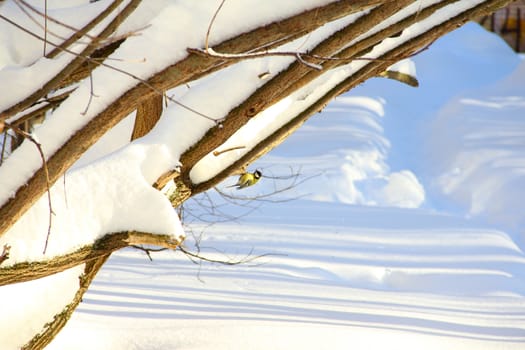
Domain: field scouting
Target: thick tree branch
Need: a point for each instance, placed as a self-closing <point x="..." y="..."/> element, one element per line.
<point x="148" y="113"/>
<point x="28" y="271"/>
<point x="94" y="257"/>
<point x="51" y="329"/>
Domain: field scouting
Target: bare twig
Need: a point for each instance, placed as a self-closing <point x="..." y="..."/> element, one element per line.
<point x="25" y="7"/>
<point x="4" y="142"/>
<point x="29" y="137"/>
<point x="218" y="153"/>
<point x="39" y="108"/>
<point x="211" y="24"/>
<point x="210" y="211"/>
<point x="217" y="121"/>
<point x="5" y="253"/>
<point x="306" y="63"/>
<point x="65" y="192"/>
<point x="300" y="56"/>
<point x="148" y="251"/>
<point x="263" y="197"/>
<point x="45" y="26"/>
<point x="22" y="6"/>
<point x="77" y="33"/>
<point x="75" y="63"/>
<point x="25" y="30"/>
<point x="91" y="93"/>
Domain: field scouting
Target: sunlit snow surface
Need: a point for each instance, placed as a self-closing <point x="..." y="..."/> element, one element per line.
<point x="338" y="274"/>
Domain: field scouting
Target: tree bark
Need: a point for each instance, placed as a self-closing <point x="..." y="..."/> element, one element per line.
<point x="42" y="339"/>
<point x="28" y="271"/>
<point x="148" y="113"/>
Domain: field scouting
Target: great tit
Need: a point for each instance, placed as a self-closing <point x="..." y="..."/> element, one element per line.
<point x="248" y="179"/>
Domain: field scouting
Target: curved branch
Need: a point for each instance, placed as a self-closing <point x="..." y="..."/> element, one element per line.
<point x="51" y="329"/>
<point x="27" y="271"/>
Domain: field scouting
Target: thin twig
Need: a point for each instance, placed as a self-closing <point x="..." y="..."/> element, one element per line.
<point x="247" y="259"/>
<point x="77" y="33"/>
<point x="148" y="250"/>
<point x="91" y="93"/>
<point x="65" y="192"/>
<point x="217" y="121"/>
<point x="28" y="136"/>
<point x="38" y="108"/>
<point x="306" y="63"/>
<point x="4" y="141"/>
<point x="211" y="23"/>
<point x="213" y="210"/>
<point x="300" y="56"/>
<point x="218" y="153"/>
<point x="209" y="51"/>
<point x="263" y="197"/>
<point x="45" y="26"/>
<point x="5" y="253"/>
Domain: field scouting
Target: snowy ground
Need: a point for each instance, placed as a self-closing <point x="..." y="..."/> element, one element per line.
<point x="347" y="276"/>
<point x="410" y="235"/>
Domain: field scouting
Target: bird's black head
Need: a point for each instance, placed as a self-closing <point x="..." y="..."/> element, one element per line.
<point x="257" y="174"/>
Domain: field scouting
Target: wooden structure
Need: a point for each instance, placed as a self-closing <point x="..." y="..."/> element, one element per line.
<point x="509" y="23"/>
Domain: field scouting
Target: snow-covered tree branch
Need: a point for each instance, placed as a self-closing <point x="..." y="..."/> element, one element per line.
<point x="122" y="97"/>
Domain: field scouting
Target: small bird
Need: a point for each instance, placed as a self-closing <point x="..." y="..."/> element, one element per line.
<point x="248" y="179"/>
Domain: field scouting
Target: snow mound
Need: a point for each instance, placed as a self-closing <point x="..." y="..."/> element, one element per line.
<point x="350" y="165"/>
<point x="478" y="145"/>
<point x="126" y="176"/>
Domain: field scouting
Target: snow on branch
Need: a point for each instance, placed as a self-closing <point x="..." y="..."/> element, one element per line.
<point x="27" y="271"/>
